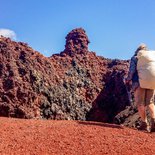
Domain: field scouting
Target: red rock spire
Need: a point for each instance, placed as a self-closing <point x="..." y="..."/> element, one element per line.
<point x="76" y="42"/>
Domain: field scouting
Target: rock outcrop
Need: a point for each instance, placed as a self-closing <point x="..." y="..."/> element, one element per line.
<point x="75" y="84"/>
<point x="76" y="42"/>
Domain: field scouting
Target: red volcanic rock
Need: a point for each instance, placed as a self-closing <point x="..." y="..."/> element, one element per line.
<point x="75" y="84"/>
<point x="113" y="98"/>
<point x="76" y="42"/>
<point x="22" y="79"/>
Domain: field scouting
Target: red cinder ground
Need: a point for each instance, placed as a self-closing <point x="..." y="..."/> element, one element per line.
<point x="43" y="137"/>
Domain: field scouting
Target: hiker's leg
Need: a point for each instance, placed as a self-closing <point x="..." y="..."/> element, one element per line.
<point x="150" y="102"/>
<point x="152" y="110"/>
<point x="142" y="112"/>
<point x="152" y="114"/>
<point x="151" y="107"/>
<point x="143" y="123"/>
<point x="140" y="103"/>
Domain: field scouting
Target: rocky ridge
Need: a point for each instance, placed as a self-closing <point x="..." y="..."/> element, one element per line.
<point x="73" y="85"/>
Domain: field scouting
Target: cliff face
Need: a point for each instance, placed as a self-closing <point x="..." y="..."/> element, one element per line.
<point x="22" y="79"/>
<point x="75" y="84"/>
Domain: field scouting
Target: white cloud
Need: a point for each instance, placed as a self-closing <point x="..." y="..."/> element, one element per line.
<point x="8" y="33"/>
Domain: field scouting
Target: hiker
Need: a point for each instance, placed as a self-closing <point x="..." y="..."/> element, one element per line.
<point x="143" y="97"/>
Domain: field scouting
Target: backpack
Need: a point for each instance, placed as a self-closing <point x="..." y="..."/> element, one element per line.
<point x="146" y="69"/>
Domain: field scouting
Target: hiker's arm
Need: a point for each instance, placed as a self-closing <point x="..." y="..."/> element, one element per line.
<point x="132" y="68"/>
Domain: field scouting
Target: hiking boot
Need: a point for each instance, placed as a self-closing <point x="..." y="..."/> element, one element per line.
<point x="143" y="126"/>
<point x="152" y="125"/>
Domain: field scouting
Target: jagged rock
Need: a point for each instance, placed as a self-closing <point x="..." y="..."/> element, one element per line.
<point x="76" y="42"/>
<point x="75" y="84"/>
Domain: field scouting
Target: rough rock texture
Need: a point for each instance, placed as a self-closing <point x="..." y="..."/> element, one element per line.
<point x="76" y="42"/>
<point x="113" y="98"/>
<point x="75" y="84"/>
<point x="128" y="117"/>
<point x="23" y="85"/>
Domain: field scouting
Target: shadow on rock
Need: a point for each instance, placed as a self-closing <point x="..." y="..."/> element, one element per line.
<point x="112" y="99"/>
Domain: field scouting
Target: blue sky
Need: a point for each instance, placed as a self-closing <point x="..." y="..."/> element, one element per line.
<point x="115" y="27"/>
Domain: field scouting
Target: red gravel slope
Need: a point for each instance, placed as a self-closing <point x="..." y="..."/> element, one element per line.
<point x="39" y="137"/>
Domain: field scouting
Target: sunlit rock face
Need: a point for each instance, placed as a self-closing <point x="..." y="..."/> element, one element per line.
<point x="74" y="84"/>
<point x="76" y="42"/>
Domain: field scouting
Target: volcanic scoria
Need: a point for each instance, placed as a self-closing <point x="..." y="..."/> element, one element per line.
<point x="74" y="84"/>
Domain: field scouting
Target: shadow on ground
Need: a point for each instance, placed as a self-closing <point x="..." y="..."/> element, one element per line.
<point x="101" y="124"/>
